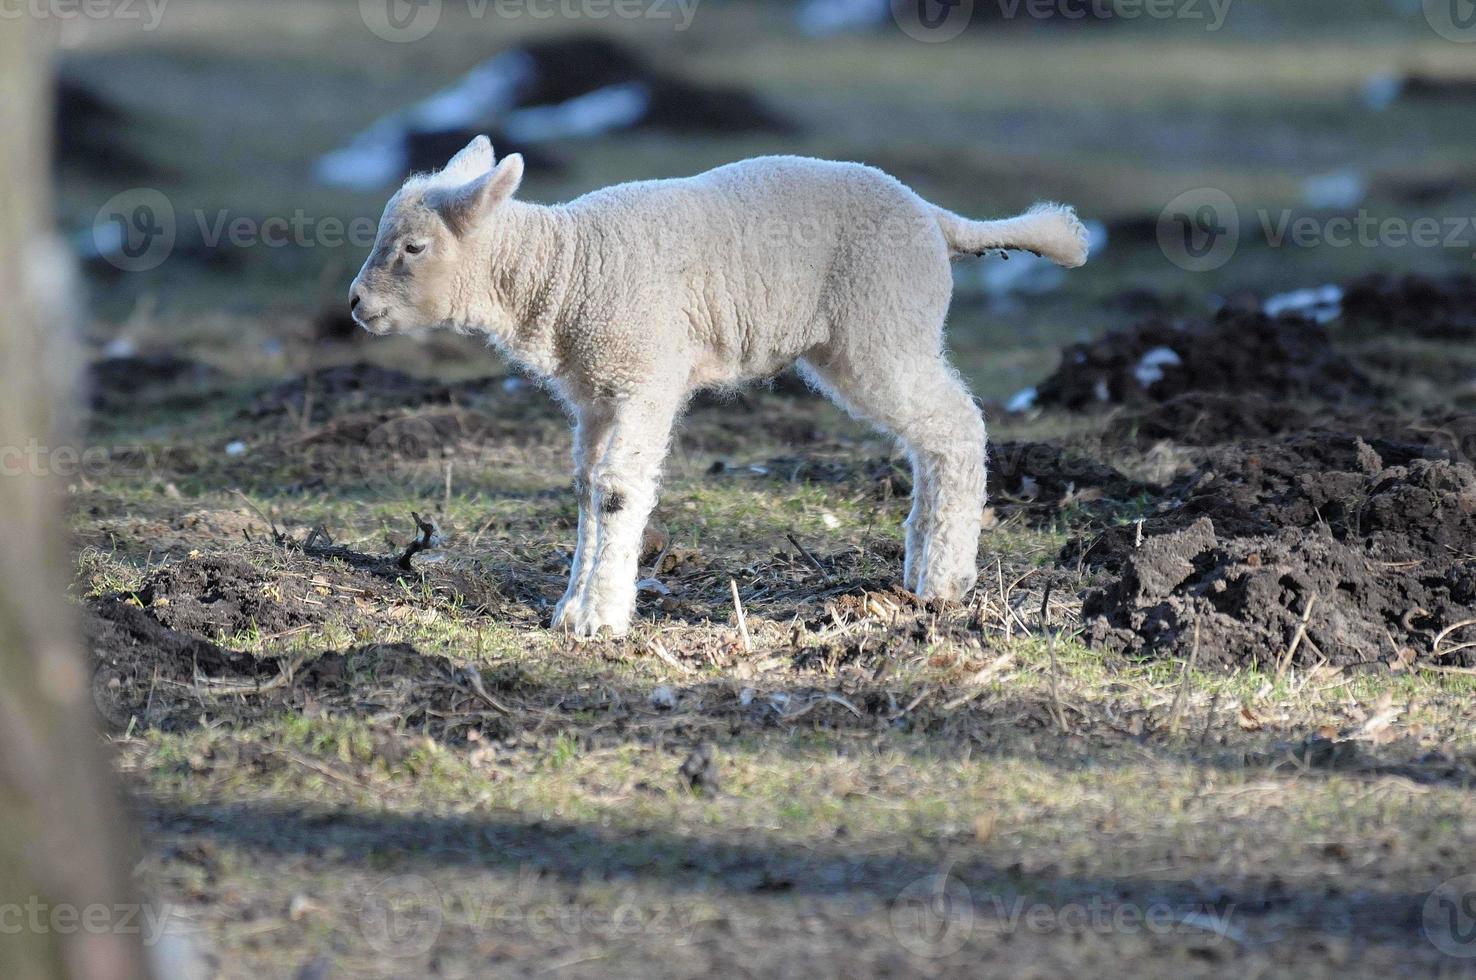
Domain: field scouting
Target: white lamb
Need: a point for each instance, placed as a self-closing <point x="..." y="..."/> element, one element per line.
<point x="631" y="298"/>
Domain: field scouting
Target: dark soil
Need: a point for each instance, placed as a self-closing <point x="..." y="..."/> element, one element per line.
<point x="1207" y="419"/>
<point x="115" y="381"/>
<point x="1288" y="357"/>
<point x="1381" y="542"/>
<point x="349" y="388"/>
<point x="1413" y="305"/>
<point x="155" y="676"/>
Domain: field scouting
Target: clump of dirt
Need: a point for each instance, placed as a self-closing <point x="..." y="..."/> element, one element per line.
<point x="1043" y="474"/>
<point x="228" y="594"/>
<point x="1287" y="357"/>
<point x="1370" y="544"/>
<point x="1419" y="306"/>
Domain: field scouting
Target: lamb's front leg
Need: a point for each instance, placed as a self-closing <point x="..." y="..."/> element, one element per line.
<point x="625" y="484"/>
<point x="591" y="434"/>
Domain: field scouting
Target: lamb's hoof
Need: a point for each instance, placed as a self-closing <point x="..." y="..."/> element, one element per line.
<point x="586" y="622"/>
<point x="945" y="588"/>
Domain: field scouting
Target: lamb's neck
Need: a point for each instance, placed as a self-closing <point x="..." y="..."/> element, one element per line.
<point x="529" y="257"/>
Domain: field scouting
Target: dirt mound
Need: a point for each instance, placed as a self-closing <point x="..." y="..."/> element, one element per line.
<point x="154" y="676"/>
<point x="224" y="594"/>
<point x="114" y="381"/>
<point x="566" y="68"/>
<point x="1375" y="541"/>
<point x="354" y="387"/>
<point x="1209" y="419"/>
<point x="1287" y="357"/>
<point x="1435" y="309"/>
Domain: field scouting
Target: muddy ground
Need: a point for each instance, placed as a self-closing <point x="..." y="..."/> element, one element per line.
<point x="1308" y="526"/>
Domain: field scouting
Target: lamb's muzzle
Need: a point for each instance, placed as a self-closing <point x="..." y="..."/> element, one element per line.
<point x="631" y="298"/>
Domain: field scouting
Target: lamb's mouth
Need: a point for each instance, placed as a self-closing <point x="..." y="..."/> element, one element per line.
<point x="369" y="322"/>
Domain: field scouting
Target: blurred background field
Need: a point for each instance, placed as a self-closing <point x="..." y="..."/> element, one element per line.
<point x="229" y="104"/>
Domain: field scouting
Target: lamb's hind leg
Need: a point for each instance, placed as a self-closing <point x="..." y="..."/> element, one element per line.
<point x="923" y="403"/>
<point x="591" y="433"/>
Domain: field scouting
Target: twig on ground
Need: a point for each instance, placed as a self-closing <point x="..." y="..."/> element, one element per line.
<point x="277" y="536"/>
<point x="427" y="536"/>
<point x="807" y="556"/>
<point x="1045" y="623"/>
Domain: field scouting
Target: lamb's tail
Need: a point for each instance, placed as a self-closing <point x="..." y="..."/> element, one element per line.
<point x="1051" y="230"/>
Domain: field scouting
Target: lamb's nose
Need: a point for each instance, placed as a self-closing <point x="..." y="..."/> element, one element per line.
<point x="354" y="301"/>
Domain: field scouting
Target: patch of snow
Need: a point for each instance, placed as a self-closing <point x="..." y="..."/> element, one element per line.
<point x="1022" y="401"/>
<point x="235" y="448"/>
<point x="120" y="347"/>
<point x="1150" y="367"/>
<point x="1382" y="90"/>
<point x="823" y="18"/>
<point x="1340" y="189"/>
<point x="605" y="109"/>
<point x="378" y="157"/>
<point x="1322" y="303"/>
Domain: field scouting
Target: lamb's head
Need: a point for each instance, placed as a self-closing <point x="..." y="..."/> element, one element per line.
<point x="431" y="228"/>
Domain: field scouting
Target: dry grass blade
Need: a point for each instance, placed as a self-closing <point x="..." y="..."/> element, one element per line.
<point x="742" y="619"/>
<point x="1297" y="638"/>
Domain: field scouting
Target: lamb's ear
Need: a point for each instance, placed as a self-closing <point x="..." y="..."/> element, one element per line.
<point x="473" y="161"/>
<point x="462" y="206"/>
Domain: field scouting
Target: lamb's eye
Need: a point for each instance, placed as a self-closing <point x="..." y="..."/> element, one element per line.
<point x="414" y="248"/>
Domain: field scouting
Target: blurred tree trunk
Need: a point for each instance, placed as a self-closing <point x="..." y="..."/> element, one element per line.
<point x="61" y="831"/>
